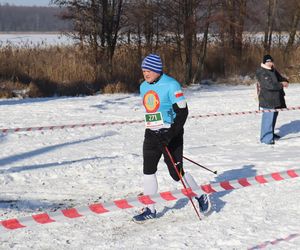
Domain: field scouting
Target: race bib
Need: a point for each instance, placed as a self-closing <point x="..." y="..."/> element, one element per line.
<point x="154" y="120"/>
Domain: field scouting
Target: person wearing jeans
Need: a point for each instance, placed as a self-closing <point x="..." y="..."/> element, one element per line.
<point x="270" y="96"/>
<point x="267" y="134"/>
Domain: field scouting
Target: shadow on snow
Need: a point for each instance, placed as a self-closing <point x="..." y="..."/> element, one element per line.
<point x="30" y="154"/>
<point x="217" y="203"/>
<point x="18" y="169"/>
<point x="7" y="102"/>
<point x="120" y="101"/>
<point x="290" y="128"/>
<point x="245" y="172"/>
<point x="33" y="205"/>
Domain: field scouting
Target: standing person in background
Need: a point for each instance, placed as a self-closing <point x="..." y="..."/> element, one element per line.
<point x="166" y="113"/>
<point x="270" y="96"/>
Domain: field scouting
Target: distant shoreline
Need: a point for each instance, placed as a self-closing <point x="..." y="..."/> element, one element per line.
<point x="32" y="39"/>
<point x="31" y="32"/>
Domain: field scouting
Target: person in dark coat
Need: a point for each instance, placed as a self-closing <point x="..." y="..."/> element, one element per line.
<point x="271" y="96"/>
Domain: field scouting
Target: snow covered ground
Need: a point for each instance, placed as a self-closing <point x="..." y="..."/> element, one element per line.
<point x="49" y="170"/>
<point x="34" y="39"/>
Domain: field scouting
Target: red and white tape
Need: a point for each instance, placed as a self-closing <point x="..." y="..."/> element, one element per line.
<point x="275" y="242"/>
<point x="245" y="112"/>
<point x="100" y="208"/>
<point x="28" y="129"/>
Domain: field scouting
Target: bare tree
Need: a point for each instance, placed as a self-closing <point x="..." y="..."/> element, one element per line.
<point x="96" y="25"/>
<point x="189" y="27"/>
<point x="145" y="22"/>
<point x="173" y="14"/>
<point x="271" y="12"/>
<point x="293" y="12"/>
<point x="181" y="17"/>
<point x="203" y="46"/>
<point x="234" y="17"/>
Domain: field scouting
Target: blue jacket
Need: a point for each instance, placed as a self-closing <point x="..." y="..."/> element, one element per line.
<point x="160" y="97"/>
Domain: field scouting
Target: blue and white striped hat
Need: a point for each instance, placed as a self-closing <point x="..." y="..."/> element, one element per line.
<point x="153" y="62"/>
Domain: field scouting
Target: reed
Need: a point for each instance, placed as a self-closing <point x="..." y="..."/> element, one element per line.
<point x="48" y="71"/>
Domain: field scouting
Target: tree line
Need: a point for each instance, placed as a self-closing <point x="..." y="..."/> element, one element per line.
<point x="188" y="26"/>
<point x="36" y="19"/>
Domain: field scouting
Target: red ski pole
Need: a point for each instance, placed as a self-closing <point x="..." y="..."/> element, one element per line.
<point x="215" y="172"/>
<point x="179" y="175"/>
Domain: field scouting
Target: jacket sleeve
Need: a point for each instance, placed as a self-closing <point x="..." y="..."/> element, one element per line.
<point x="179" y="121"/>
<point x="280" y="77"/>
<point x="266" y="81"/>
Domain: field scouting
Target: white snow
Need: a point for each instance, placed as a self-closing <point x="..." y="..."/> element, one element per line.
<point x="49" y="170"/>
<point x="27" y="39"/>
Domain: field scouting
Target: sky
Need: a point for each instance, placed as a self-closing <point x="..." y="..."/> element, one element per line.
<point x="26" y="2"/>
<point x="46" y="171"/>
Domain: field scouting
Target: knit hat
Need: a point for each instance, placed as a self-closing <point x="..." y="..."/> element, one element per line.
<point x="267" y="58"/>
<point x="153" y="62"/>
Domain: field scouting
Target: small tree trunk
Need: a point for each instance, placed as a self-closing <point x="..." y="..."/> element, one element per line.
<point x="292" y="35"/>
<point x="188" y="39"/>
<point x="203" y="48"/>
<point x="272" y="5"/>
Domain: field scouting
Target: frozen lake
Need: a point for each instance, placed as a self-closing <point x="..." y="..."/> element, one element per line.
<point x="34" y="39"/>
<point x="51" y="39"/>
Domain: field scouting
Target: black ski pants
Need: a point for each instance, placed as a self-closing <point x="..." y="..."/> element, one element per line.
<point x="153" y="150"/>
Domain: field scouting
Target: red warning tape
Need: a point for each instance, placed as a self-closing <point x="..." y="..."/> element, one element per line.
<point x="274" y="242"/>
<point x="100" y="208"/>
<point x="14" y="130"/>
<point x="245" y="112"/>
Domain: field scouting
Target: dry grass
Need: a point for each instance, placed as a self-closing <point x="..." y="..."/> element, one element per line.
<point x="118" y="87"/>
<point x="68" y="71"/>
